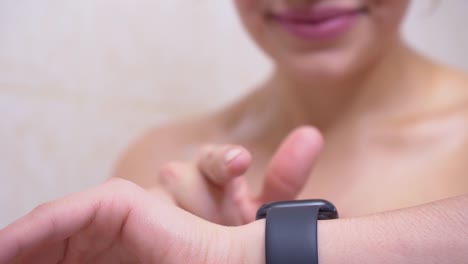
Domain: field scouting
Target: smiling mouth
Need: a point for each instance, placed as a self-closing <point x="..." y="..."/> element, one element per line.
<point x="317" y="24"/>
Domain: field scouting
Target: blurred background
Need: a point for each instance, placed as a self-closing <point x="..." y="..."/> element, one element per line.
<point x="80" y="79"/>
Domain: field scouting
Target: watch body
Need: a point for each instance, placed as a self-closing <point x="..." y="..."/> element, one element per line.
<point x="291" y="230"/>
<point x="326" y="209"/>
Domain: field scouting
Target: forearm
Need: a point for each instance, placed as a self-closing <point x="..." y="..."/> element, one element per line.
<point x="432" y="233"/>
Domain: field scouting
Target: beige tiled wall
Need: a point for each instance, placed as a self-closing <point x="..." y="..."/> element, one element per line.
<point x="80" y="79"/>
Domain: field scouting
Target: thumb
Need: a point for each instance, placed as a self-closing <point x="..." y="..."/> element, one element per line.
<point x="291" y="165"/>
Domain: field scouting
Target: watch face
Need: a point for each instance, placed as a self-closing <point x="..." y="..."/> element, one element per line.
<point x="326" y="209"/>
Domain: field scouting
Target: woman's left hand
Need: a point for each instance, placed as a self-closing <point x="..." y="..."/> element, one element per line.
<point x="118" y="222"/>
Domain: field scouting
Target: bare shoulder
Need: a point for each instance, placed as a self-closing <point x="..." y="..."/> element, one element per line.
<point x="454" y="80"/>
<point x="455" y="84"/>
<point x="451" y="91"/>
<point x="178" y="140"/>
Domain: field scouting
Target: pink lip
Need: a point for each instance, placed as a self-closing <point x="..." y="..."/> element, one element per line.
<point x="317" y="25"/>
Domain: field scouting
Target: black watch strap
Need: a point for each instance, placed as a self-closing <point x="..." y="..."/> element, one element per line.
<point x="291" y="230"/>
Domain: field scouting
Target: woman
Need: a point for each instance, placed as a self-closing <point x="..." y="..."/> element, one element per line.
<point x="394" y="123"/>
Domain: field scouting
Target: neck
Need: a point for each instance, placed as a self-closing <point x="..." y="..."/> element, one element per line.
<point x="382" y="90"/>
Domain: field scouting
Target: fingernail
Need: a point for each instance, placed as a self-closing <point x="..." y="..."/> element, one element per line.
<point x="232" y="154"/>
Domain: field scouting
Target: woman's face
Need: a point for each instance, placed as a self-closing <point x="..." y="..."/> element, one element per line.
<point x="316" y="39"/>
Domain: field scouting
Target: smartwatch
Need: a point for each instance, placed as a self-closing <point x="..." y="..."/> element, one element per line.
<point x="291" y="230"/>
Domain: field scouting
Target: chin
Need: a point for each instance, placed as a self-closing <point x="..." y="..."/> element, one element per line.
<point x="320" y="68"/>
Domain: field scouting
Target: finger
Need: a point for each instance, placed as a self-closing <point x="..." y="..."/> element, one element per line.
<point x="291" y="165"/>
<point x="221" y="163"/>
<point x="44" y="254"/>
<point x="238" y="195"/>
<point x="190" y="190"/>
<point x="46" y="224"/>
<point x="56" y="222"/>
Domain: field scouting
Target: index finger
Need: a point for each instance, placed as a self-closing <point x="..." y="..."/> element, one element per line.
<point x="291" y="165"/>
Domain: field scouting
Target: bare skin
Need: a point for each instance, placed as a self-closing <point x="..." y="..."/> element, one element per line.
<point x="133" y="226"/>
<point x="383" y="150"/>
<point x="394" y="125"/>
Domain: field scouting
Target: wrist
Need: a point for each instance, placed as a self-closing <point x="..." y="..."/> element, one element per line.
<point x="251" y="239"/>
<point x="331" y="249"/>
<point x="330" y="238"/>
<point x="355" y="240"/>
